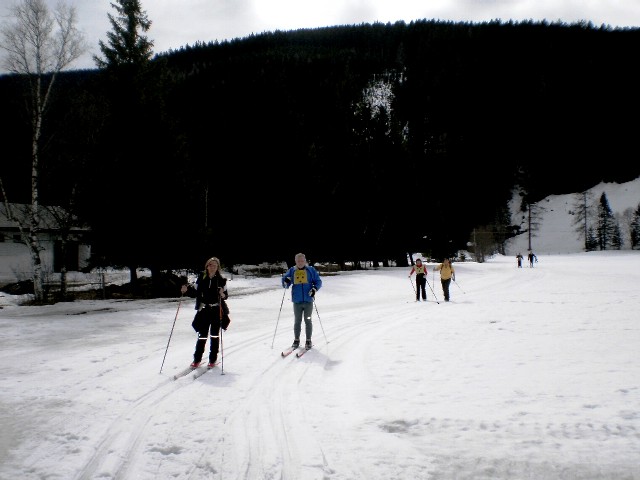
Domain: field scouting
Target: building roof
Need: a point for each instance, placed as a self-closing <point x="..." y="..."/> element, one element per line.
<point x="48" y="217"/>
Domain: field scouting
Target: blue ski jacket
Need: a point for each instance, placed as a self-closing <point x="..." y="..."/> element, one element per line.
<point x="302" y="280"/>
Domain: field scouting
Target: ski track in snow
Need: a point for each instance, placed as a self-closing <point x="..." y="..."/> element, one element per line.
<point x="262" y="419"/>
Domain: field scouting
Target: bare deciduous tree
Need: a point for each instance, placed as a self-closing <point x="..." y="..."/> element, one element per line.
<point x="583" y="209"/>
<point x="39" y="44"/>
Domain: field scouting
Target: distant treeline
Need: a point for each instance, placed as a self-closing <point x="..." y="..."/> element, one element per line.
<point x="350" y="142"/>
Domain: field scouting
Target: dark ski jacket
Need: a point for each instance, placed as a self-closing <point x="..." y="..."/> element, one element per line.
<point x="207" y="290"/>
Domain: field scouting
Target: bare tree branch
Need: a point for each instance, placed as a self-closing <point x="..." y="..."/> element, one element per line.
<point x="39" y="44"/>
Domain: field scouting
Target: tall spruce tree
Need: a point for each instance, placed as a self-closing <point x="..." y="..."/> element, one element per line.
<point x="635" y="229"/>
<point x="591" y="243"/>
<point x="607" y="230"/>
<point x="123" y="219"/>
<point x="616" y="237"/>
<point x="139" y="135"/>
<point x="125" y="43"/>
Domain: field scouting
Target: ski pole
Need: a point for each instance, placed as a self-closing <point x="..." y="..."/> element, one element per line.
<point x="174" y="324"/>
<point x="414" y="288"/>
<point x="221" y="353"/>
<point x="318" y="313"/>
<point x="277" y="321"/>
<point x="459" y="287"/>
<point x="221" y="342"/>
<point x="434" y="293"/>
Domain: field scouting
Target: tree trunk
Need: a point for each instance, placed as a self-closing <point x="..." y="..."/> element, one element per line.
<point x="38" y="277"/>
<point x="63" y="269"/>
<point x="133" y="276"/>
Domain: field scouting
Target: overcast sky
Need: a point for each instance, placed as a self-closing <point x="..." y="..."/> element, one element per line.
<point x="176" y="23"/>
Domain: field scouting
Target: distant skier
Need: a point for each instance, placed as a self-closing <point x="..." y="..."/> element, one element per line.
<point x="305" y="281"/>
<point x="531" y="258"/>
<point x="519" y="257"/>
<point x="421" y="279"/>
<point x="447" y="273"/>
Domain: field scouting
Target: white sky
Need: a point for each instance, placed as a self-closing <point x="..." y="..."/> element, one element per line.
<point x="526" y="373"/>
<point x="177" y="23"/>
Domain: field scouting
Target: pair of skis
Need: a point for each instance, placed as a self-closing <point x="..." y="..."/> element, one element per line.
<point x="198" y="371"/>
<point x="290" y="350"/>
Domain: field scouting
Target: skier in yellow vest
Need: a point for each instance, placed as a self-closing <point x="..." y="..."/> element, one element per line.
<point x="447" y="273"/>
<point x="421" y="279"/>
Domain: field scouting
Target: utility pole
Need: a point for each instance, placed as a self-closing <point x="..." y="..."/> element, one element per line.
<point x="584" y="206"/>
<point x="529" y="208"/>
<point x="206" y="206"/>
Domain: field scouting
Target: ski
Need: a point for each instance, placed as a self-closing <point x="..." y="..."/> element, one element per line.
<point x="202" y="370"/>
<point x="288" y="351"/>
<point x="302" y="352"/>
<point x="184" y="372"/>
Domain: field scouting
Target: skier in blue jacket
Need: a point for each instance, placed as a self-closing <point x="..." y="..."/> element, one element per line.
<point x="305" y="282"/>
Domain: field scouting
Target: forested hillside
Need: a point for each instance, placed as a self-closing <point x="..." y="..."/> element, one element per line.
<point x="343" y="141"/>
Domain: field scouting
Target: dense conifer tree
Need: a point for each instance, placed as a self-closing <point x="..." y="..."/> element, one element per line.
<point x="125" y="43"/>
<point x="137" y="194"/>
<point x="635" y="229"/>
<point x="607" y="229"/>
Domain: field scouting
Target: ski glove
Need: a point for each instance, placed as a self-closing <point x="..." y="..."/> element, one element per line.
<point x="312" y="293"/>
<point x="286" y="282"/>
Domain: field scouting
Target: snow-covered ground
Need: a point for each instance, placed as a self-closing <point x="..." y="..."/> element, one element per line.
<point x="528" y="373"/>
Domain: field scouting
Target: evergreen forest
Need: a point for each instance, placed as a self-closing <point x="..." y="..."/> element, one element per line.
<point x="347" y="143"/>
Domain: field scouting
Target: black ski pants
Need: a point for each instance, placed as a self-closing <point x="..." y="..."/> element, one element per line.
<point x="421" y="286"/>
<point x="209" y="328"/>
<point x="445" y="288"/>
